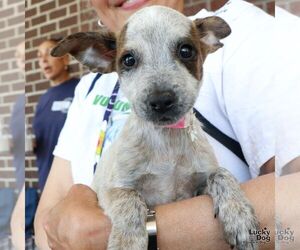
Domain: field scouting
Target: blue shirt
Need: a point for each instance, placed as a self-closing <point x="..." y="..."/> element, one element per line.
<point x="50" y="116"/>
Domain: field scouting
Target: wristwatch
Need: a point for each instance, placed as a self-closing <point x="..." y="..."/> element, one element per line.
<point x="151" y="229"/>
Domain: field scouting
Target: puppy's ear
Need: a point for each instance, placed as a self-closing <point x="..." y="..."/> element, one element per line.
<point x="96" y="50"/>
<point x="211" y="30"/>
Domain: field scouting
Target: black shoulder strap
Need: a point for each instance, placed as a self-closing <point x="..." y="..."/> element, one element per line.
<point x="93" y="84"/>
<point x="214" y="132"/>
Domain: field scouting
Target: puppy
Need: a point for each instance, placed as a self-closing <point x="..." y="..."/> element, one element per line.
<point x="162" y="154"/>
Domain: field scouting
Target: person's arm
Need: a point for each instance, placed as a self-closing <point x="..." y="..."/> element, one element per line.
<point x="190" y="224"/>
<point x="68" y="216"/>
<point x="292" y="167"/>
<point x="187" y="224"/>
<point x="288" y="209"/>
<point x="17" y="223"/>
<point x="268" y="167"/>
<point x="57" y="186"/>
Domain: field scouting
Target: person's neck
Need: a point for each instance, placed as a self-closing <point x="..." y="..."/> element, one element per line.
<point x="180" y="6"/>
<point x="60" y="79"/>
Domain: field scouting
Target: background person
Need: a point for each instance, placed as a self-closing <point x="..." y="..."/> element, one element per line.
<point x="50" y="116"/>
<point x="52" y="108"/>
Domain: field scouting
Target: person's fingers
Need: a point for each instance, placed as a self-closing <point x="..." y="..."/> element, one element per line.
<point x="46" y="226"/>
<point x="80" y="191"/>
<point x="77" y="214"/>
<point x="51" y="240"/>
<point x="51" y="225"/>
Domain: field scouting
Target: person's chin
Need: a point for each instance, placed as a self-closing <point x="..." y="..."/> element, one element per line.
<point x="48" y="76"/>
<point x="51" y="77"/>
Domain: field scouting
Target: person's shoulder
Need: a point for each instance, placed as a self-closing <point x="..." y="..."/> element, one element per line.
<point x="84" y="83"/>
<point x="46" y="95"/>
<point x="74" y="80"/>
<point x="89" y="81"/>
<point x="89" y="77"/>
<point x="236" y="10"/>
<point x="44" y="99"/>
<point x="68" y="85"/>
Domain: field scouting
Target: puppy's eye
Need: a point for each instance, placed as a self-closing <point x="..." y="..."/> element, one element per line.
<point x="186" y="51"/>
<point x="128" y="60"/>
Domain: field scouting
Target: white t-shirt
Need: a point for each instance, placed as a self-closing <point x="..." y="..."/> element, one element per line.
<point x="78" y="139"/>
<point x="287" y="118"/>
<point x="237" y="79"/>
<point x="237" y="97"/>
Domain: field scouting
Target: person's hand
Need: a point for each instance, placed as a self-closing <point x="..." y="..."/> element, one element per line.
<point x="77" y="222"/>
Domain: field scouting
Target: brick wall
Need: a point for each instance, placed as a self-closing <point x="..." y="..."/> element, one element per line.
<point x="11" y="79"/>
<point x="62" y="17"/>
<point x="292" y="6"/>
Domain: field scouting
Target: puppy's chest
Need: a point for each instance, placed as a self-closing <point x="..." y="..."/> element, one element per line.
<point x="168" y="178"/>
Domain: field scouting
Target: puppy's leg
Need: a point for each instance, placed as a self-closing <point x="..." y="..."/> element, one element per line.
<point x="233" y="209"/>
<point x="127" y="211"/>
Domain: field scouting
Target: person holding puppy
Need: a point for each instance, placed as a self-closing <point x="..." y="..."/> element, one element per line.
<point x="62" y="201"/>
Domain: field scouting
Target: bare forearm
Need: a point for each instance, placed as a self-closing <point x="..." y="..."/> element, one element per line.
<point x="288" y="210"/>
<point x="55" y="190"/>
<point x="190" y="224"/>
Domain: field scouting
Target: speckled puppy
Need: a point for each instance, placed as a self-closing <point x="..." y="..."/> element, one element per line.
<point x="159" y="55"/>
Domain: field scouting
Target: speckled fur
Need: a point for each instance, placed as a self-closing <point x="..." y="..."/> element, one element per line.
<point x="150" y="164"/>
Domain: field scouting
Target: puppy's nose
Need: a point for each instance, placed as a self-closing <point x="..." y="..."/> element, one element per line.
<point x="162" y="102"/>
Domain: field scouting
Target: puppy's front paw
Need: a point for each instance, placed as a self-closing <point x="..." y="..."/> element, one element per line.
<point x="124" y="239"/>
<point x="238" y="219"/>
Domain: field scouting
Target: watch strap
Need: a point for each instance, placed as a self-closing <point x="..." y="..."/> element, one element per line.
<point x="152" y="245"/>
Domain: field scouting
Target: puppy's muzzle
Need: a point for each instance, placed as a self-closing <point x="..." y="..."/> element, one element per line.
<point x="162" y="102"/>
